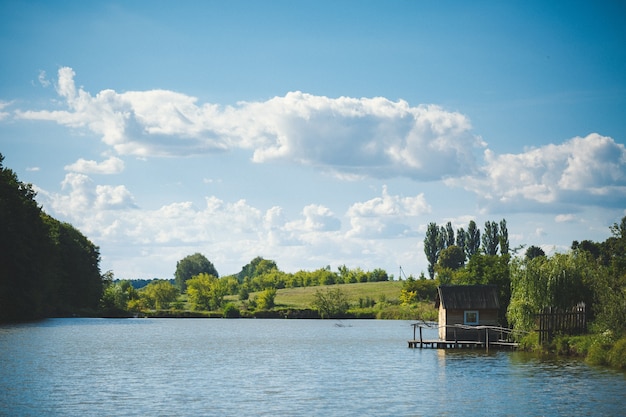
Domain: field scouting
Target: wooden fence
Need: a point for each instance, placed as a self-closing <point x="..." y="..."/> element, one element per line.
<point x="557" y="321"/>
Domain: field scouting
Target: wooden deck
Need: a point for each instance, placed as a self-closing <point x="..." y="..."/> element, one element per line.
<point x="461" y="344"/>
<point x="481" y="342"/>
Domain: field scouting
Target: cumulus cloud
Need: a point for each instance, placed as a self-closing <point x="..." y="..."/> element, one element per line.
<point x="353" y="137"/>
<point x="112" y="165"/>
<point x="387" y="216"/>
<point x="232" y="233"/>
<point x="317" y="218"/>
<point x="585" y="170"/>
<point x="83" y="198"/>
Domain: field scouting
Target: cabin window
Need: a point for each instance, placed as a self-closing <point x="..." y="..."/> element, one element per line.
<point x="470" y="317"/>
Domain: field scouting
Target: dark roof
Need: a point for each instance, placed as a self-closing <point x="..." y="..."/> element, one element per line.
<point x="465" y="297"/>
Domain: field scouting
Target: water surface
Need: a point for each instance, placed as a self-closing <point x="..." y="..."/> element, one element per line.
<point x="219" y="367"/>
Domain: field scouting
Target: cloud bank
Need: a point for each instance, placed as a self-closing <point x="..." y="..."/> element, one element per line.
<point x="588" y="170"/>
<point x="355" y="136"/>
<point x="350" y="137"/>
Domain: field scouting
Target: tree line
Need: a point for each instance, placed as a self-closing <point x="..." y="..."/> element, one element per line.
<point x="590" y="272"/>
<point x="47" y="267"/>
<point x="198" y="285"/>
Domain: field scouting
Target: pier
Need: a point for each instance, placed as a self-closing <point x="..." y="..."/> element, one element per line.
<point x="486" y="337"/>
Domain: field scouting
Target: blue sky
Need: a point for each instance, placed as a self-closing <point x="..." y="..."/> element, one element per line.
<point x="314" y="133"/>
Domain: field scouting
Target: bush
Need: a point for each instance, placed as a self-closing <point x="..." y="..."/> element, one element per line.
<point x="231" y="311"/>
<point x="597" y="354"/>
<point x="617" y="354"/>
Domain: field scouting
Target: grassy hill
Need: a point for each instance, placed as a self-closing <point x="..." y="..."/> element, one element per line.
<point x="385" y="291"/>
<point x="367" y="300"/>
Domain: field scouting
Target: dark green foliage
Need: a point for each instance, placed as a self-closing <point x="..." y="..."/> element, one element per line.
<point x="425" y="290"/>
<point x="257" y="266"/>
<point x="449" y="235"/>
<point x="265" y="299"/>
<point x="472" y="240"/>
<point x="461" y="236"/>
<point x="491" y="238"/>
<point x="331" y="303"/>
<point x="451" y="257"/>
<point x="504" y="238"/>
<point x="46" y="267"/>
<point x="231" y="311"/>
<point x="533" y="252"/>
<point x="431" y="247"/>
<point x="191" y="266"/>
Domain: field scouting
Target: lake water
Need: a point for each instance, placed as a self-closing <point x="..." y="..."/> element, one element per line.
<point x="220" y="367"/>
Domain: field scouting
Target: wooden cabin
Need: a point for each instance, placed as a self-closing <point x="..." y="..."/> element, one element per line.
<point x="463" y="307"/>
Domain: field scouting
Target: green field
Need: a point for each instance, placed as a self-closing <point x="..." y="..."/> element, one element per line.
<point x="301" y="298"/>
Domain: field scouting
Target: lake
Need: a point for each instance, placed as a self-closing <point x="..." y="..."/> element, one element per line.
<point x="222" y="367"/>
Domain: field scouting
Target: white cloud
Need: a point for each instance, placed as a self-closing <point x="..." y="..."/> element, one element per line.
<point x="42" y="78"/>
<point x="565" y="218"/>
<point x="350" y="136"/>
<point x="231" y="233"/>
<point x="112" y="165"/>
<point x="317" y="218"/>
<point x="589" y="170"/>
<point x="3" y="105"/>
<point x="387" y="216"/>
<point x="33" y="169"/>
<point x="85" y="199"/>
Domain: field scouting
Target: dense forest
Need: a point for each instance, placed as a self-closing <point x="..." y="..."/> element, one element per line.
<point x="47" y="267"/>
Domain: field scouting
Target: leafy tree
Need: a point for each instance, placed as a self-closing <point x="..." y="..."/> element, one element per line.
<point x="504" y="238"/>
<point x="191" y="266"/>
<point x="472" y="240"/>
<point x="449" y="235"/>
<point x="431" y="247"/>
<point x="560" y="281"/>
<point x="265" y="299"/>
<point x="425" y="290"/>
<point x="206" y="292"/>
<point x="77" y="271"/>
<point x="159" y="294"/>
<point x="256" y="267"/>
<point x="231" y="311"/>
<point x="593" y="248"/>
<point x="26" y="253"/>
<point x="461" y="236"/>
<point x="46" y="267"/>
<point x="533" y="252"/>
<point x="491" y="238"/>
<point x="377" y="275"/>
<point x="331" y="303"/>
<point x="452" y="258"/>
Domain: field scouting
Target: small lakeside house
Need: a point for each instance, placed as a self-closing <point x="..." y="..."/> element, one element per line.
<point x="462" y="307"/>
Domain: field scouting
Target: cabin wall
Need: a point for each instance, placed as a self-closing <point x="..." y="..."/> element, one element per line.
<point x="442" y="323"/>
<point x="452" y="317"/>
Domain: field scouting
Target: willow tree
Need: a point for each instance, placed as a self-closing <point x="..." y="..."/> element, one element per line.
<point x="561" y="281"/>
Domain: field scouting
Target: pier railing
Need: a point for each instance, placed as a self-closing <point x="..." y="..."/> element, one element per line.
<point x="495" y="336"/>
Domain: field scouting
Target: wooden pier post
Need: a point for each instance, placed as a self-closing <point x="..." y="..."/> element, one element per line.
<point x="420" y="337"/>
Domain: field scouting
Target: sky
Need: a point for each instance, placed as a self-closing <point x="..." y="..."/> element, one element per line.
<point x="314" y="133"/>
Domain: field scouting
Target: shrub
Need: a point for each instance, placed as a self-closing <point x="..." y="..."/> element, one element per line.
<point x="231" y="311"/>
<point x="617" y="354"/>
<point x="597" y="354"/>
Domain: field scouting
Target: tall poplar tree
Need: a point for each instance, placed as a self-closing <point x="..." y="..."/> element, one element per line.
<point x="472" y="240"/>
<point x="504" y="238"/>
<point x="490" y="238"/>
<point x="431" y="247"/>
